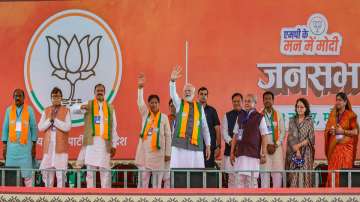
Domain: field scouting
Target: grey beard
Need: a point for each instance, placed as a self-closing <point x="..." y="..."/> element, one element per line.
<point x="189" y="98"/>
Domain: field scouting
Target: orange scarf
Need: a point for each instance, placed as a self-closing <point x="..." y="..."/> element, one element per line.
<point x="154" y="124"/>
<point x="95" y="113"/>
<point x="274" y="128"/>
<point x="25" y="117"/>
<point x="184" y="115"/>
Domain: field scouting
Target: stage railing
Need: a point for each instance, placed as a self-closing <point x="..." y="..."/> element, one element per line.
<point x="68" y="175"/>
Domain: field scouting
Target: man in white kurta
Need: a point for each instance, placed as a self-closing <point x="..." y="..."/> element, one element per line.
<point x="154" y="145"/>
<point x="275" y="161"/>
<point x="54" y="124"/>
<point x="227" y="127"/>
<point x="96" y="156"/>
<point x="250" y="161"/>
<point x="180" y="157"/>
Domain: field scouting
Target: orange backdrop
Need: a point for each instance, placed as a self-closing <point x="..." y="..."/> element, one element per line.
<point x="227" y="39"/>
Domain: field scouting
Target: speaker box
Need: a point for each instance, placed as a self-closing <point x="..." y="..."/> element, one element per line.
<point x="196" y="178"/>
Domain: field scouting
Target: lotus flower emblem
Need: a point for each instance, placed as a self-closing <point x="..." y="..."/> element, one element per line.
<point x="73" y="60"/>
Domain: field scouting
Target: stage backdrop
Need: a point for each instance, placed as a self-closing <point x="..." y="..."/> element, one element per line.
<point x="311" y="49"/>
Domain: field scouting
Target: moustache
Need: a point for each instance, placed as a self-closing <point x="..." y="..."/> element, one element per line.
<point x="189" y="98"/>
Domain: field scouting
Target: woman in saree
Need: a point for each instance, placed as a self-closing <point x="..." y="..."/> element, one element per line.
<point x="300" y="146"/>
<point x="341" y="137"/>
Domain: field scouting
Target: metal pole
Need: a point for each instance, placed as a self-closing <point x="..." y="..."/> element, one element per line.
<point x="284" y="173"/>
<point x="186" y="61"/>
<point x="204" y="179"/>
<point x="125" y="179"/>
<point x="172" y="178"/>
<point x="349" y="179"/>
<point x="63" y="175"/>
<point x="78" y="177"/>
<point x="316" y="179"/>
<point x="154" y="179"/>
<point x="187" y="179"/>
<point x="17" y="177"/>
<point x="32" y="178"/>
<point x="3" y="176"/>
<point x="333" y="179"/>
<point x="220" y="179"/>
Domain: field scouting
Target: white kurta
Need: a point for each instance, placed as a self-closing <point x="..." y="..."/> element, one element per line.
<point x="281" y="125"/>
<point x="182" y="158"/>
<point x="224" y="130"/>
<point x="250" y="163"/>
<point x="276" y="160"/>
<point x="96" y="154"/>
<point x="145" y="156"/>
<point x="225" y="133"/>
<point x="53" y="159"/>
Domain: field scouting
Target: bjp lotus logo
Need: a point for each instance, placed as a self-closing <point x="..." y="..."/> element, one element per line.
<point x="73" y="50"/>
<point x="73" y="60"/>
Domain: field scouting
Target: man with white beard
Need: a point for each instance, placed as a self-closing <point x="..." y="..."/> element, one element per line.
<point x="191" y="129"/>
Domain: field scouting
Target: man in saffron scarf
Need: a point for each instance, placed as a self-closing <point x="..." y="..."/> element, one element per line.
<point x="153" y="149"/>
<point x="274" y="150"/>
<point x="19" y="136"/>
<point x="341" y="137"/>
<point x="191" y="129"/>
<point x="100" y="137"/>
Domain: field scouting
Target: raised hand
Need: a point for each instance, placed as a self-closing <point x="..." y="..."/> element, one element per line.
<point x="175" y="74"/>
<point x="141" y="80"/>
